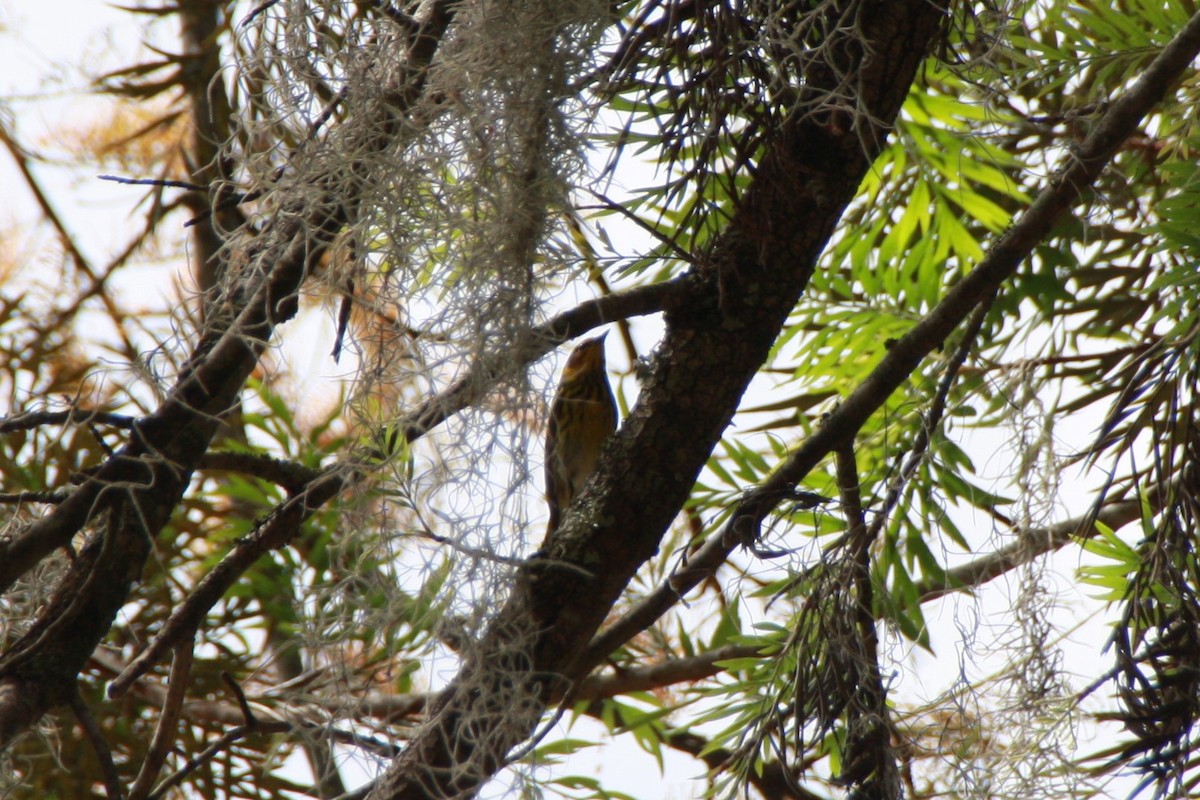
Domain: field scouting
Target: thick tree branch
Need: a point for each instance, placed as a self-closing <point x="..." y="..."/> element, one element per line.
<point x="290" y="475"/>
<point x="720" y="327"/>
<point x="21" y="498"/>
<point x="1065" y="190"/>
<point x="140" y="486"/>
<point x="318" y="488"/>
<point x="535" y="343"/>
<point x="663" y="674"/>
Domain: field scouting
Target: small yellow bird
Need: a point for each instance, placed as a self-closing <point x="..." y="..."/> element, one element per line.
<point x="582" y="417"/>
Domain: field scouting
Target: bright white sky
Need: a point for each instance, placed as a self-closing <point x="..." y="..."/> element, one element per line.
<point x="47" y="52"/>
<point x="42" y="49"/>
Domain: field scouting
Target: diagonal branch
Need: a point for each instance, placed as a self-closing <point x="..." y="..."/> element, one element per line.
<point x="273" y="533"/>
<point x="720" y="326"/>
<point x="933" y="417"/>
<point x="532" y="345"/>
<point x="1031" y="544"/>
<point x="1005" y="256"/>
<point x="168" y="721"/>
<point x="224" y="357"/>
<point x="78" y="416"/>
<point x="139" y="487"/>
<point x="95" y="735"/>
<point x="312" y="490"/>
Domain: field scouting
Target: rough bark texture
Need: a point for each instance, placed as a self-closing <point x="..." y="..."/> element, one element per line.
<point x="135" y="492"/>
<point x="721" y="322"/>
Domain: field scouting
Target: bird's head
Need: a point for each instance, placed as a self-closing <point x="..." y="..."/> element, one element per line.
<point x="588" y="355"/>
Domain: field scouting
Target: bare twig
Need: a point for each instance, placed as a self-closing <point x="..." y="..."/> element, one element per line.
<point x="18" y="498"/>
<point x="99" y="284"/>
<point x="607" y="204"/>
<point x="240" y="696"/>
<point x="68" y="241"/>
<point x="222" y="744"/>
<point x="36" y="419"/>
<point x="168" y="722"/>
<point x="195" y="187"/>
<point x="933" y="416"/>
<point x="91" y="730"/>
<point x="274" y="532"/>
<point x="290" y="475"/>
